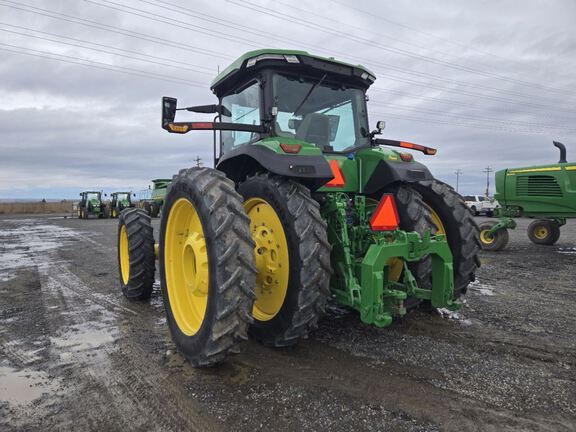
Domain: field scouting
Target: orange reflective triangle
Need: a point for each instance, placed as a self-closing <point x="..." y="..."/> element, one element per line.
<point x="385" y="218"/>
<point x="338" y="180"/>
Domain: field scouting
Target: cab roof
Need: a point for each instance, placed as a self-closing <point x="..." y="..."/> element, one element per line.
<point x="247" y="65"/>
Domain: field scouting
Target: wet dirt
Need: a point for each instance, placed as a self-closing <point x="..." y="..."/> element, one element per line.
<point x="76" y="355"/>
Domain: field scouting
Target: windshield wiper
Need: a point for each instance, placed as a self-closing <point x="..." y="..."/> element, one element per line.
<point x="309" y="93"/>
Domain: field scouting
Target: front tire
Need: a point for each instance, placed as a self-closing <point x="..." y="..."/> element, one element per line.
<point x="495" y="241"/>
<point x="136" y="260"/>
<point x="207" y="266"/>
<point x="544" y="232"/>
<point x="292" y="258"/>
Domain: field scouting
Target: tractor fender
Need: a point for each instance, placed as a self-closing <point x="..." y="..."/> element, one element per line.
<point x="239" y="163"/>
<point x="387" y="172"/>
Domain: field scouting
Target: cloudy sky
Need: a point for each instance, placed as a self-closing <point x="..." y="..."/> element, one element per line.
<point x="489" y="83"/>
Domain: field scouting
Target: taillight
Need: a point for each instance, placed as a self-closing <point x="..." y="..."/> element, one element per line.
<point x="290" y="148"/>
<point x="406" y="157"/>
<point x="338" y="180"/>
<point x="385" y="218"/>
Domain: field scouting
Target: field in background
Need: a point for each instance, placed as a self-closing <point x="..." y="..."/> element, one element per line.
<point x="36" y="207"/>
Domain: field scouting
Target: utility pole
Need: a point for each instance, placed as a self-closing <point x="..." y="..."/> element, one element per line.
<point x="198" y="161"/>
<point x="458" y="173"/>
<point x="488" y="170"/>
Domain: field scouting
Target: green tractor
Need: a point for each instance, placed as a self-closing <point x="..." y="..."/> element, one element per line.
<point x="118" y="202"/>
<point x="153" y="199"/>
<point x="546" y="193"/>
<point x="91" y="204"/>
<point x="304" y="204"/>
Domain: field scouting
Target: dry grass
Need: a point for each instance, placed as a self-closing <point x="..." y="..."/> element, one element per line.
<point x="36" y="207"/>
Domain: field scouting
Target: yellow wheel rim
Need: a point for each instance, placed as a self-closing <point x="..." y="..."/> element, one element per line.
<point x="272" y="259"/>
<point x="541" y="232"/>
<point x="486" y="237"/>
<point x="186" y="266"/>
<point x="124" y="255"/>
<point x="437" y="221"/>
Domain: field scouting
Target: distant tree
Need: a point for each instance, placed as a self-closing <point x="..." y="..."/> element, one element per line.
<point x="43" y="200"/>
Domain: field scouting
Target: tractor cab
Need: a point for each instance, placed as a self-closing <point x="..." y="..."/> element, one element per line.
<point x="91" y="198"/>
<point x="291" y="113"/>
<point x="297" y="96"/>
<point x="121" y="200"/>
<point x="91" y="204"/>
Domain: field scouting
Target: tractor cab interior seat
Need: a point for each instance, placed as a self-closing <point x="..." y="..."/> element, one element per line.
<point x="315" y="129"/>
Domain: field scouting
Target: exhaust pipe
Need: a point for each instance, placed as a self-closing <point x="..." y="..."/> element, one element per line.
<point x="562" y="148"/>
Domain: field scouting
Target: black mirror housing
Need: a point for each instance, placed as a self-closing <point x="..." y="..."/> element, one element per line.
<point x="168" y="110"/>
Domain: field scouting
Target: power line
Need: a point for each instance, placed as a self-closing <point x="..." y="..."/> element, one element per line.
<point x="418" y="30"/>
<point x="301" y="21"/>
<point x="105" y="27"/>
<point x="178" y="45"/>
<point x="184" y="25"/>
<point x="135" y="72"/>
<point x="197" y="84"/>
<point x="95" y="64"/>
<point x="476" y="118"/>
<point x="193" y="68"/>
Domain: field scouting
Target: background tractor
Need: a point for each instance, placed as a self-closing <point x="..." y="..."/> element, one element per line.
<point x="118" y="202"/>
<point x="546" y="193"/>
<point x="151" y="200"/>
<point x="304" y="203"/>
<point x="91" y="204"/>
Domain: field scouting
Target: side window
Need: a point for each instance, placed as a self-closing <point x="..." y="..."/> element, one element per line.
<point x="244" y="108"/>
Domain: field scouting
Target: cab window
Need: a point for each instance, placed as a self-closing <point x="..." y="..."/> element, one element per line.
<point x="244" y="108"/>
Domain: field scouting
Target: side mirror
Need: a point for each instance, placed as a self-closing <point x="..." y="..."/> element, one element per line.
<point x="380" y="125"/>
<point x="134" y="195"/>
<point x="168" y="110"/>
<point x="80" y="194"/>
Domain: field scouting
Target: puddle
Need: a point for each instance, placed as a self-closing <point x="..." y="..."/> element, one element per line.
<point x="24" y="387"/>
<point x="84" y="337"/>
<point x="20" y="246"/>
<point x="480" y="288"/>
<point x="453" y="315"/>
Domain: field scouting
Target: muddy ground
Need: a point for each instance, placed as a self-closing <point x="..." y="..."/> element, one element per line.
<point x="75" y="355"/>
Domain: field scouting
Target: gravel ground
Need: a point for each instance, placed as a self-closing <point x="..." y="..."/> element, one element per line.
<point x="75" y="355"/>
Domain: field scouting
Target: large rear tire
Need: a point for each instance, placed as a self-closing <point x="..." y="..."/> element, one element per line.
<point x="207" y="268"/>
<point x="292" y="258"/>
<point x="453" y="218"/>
<point x="136" y="254"/>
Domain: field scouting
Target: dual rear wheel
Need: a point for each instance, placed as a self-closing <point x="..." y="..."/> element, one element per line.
<point x="254" y="260"/>
<point x="231" y="263"/>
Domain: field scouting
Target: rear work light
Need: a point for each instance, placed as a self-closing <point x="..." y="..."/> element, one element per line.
<point x="385" y="218"/>
<point x="290" y="148"/>
<point x="338" y="180"/>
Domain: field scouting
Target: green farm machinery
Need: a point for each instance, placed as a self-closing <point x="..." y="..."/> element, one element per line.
<point x="545" y="193"/>
<point x="91" y="204"/>
<point x="152" y="199"/>
<point x="304" y="204"/>
<point x="118" y="202"/>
